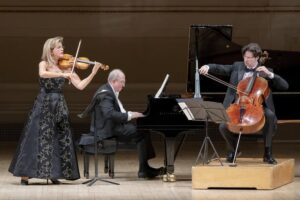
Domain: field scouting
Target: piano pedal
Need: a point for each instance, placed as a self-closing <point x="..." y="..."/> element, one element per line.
<point x="165" y="178"/>
<point x="169" y="177"/>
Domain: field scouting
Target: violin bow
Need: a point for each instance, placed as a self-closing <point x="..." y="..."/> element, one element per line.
<point x="76" y="55"/>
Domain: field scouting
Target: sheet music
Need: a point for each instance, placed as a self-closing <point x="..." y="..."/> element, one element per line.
<point x="158" y="93"/>
<point x="186" y="111"/>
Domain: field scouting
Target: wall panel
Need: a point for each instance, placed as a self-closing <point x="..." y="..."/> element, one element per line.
<point x="147" y="39"/>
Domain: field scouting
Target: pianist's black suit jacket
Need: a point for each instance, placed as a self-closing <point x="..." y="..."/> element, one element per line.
<point x="109" y="118"/>
<point x="236" y="72"/>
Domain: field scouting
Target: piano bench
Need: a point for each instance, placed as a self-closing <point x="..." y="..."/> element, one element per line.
<point x="109" y="160"/>
<point x="106" y="147"/>
<point x="108" y="150"/>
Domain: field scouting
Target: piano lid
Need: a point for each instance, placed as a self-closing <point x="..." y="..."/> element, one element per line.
<point x="212" y="44"/>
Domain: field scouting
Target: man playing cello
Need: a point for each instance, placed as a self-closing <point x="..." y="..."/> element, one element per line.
<point x="238" y="71"/>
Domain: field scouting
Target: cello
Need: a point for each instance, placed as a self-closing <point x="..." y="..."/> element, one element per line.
<point x="246" y="114"/>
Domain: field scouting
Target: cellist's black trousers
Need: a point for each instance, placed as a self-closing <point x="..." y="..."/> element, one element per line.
<point x="268" y="131"/>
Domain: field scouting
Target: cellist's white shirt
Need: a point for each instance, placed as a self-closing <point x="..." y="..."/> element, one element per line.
<point x="247" y="74"/>
<point x="250" y="74"/>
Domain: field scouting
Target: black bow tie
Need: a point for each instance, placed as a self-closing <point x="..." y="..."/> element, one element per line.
<point x="249" y="70"/>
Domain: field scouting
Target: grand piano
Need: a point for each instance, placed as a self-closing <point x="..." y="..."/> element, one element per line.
<point x="212" y="44"/>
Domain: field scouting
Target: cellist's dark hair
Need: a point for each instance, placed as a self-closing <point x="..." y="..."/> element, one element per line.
<point x="253" y="48"/>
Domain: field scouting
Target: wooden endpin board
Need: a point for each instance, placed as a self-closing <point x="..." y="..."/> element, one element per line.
<point x="248" y="173"/>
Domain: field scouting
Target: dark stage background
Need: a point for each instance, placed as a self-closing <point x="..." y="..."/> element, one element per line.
<point x="147" y="39"/>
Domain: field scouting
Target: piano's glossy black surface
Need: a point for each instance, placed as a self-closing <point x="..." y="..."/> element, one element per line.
<point x="164" y="116"/>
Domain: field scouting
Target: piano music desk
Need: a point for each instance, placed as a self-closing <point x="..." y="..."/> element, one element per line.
<point x="248" y="173"/>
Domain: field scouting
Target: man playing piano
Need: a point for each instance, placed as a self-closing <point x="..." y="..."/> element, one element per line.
<point x="114" y="121"/>
<point x="238" y="71"/>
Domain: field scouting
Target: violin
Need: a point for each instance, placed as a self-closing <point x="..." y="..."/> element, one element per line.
<point x="83" y="63"/>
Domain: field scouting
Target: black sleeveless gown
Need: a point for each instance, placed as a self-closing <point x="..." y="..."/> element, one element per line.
<point x="46" y="148"/>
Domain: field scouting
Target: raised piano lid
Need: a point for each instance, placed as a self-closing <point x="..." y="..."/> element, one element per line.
<point x="212" y="44"/>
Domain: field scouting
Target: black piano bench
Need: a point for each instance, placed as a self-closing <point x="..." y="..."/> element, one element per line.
<point x="109" y="159"/>
<point x="106" y="147"/>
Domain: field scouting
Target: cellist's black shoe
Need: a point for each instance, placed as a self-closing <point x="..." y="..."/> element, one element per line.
<point x="268" y="158"/>
<point x="230" y="156"/>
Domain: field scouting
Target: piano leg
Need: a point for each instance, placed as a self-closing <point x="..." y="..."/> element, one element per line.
<point x="169" y="159"/>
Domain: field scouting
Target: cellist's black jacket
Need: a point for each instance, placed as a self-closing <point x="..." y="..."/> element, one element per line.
<point x="236" y="72"/>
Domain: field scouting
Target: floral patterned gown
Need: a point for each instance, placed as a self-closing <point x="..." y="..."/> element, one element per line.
<point x="46" y="148"/>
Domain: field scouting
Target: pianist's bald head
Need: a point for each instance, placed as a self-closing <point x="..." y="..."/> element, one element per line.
<point x="116" y="79"/>
<point x="115" y="74"/>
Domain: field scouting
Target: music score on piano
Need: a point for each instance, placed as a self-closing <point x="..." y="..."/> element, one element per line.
<point x="162" y="87"/>
<point x="186" y="111"/>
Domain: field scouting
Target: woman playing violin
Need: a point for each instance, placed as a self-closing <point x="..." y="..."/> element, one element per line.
<point x="238" y="71"/>
<point x="46" y="148"/>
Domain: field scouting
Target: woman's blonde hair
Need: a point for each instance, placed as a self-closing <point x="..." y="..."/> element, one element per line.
<point x="49" y="45"/>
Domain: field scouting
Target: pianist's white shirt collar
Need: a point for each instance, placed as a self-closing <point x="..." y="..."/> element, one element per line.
<point x="120" y="104"/>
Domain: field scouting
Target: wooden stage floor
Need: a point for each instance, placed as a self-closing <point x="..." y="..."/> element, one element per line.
<point x="133" y="188"/>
